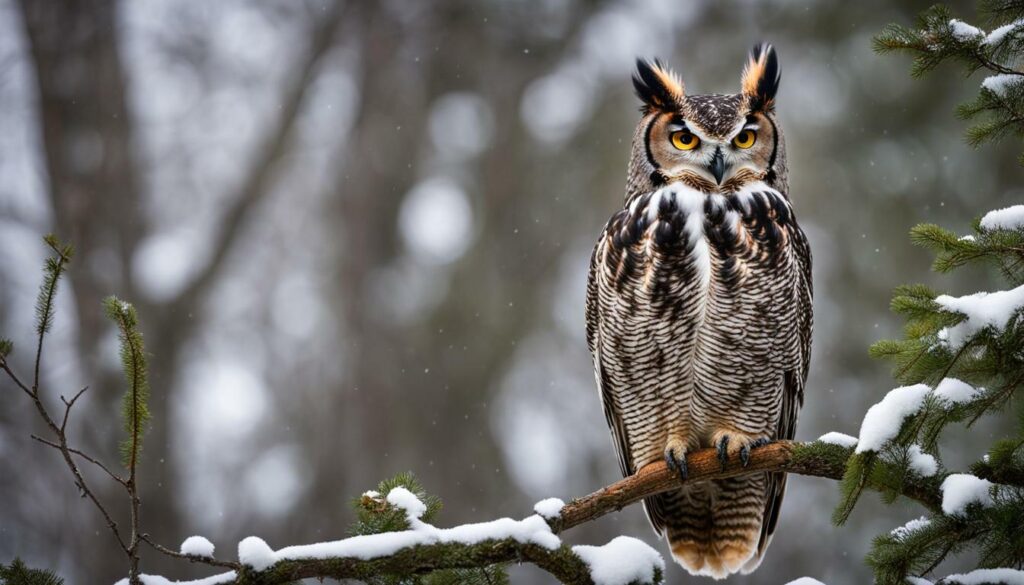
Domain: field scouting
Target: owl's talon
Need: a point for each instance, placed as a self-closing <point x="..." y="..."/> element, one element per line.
<point x="746" y="449"/>
<point x="723" y="451"/>
<point x="676" y="463"/>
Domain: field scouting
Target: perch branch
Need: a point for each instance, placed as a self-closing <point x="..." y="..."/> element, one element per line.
<point x="561" y="563"/>
<point x="809" y="459"/>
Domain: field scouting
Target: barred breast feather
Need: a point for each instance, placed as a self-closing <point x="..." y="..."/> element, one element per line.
<point x="699" y="323"/>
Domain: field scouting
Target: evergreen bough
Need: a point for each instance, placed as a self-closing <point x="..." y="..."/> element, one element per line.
<point x="17" y="573"/>
<point x="135" y="402"/>
<point x="989" y="358"/>
<point x="998" y="110"/>
<point x="375" y="515"/>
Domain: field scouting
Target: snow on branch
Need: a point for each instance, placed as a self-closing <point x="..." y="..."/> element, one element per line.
<point x="424" y="548"/>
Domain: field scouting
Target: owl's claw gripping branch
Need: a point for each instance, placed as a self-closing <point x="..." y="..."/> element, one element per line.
<point x="676" y="461"/>
<point x="745" y="450"/>
<point x="723" y="451"/>
<point x="811" y="459"/>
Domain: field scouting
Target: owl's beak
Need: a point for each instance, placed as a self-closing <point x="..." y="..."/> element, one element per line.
<point x="717" y="166"/>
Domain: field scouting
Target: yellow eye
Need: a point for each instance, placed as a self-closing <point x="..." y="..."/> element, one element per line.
<point x="745" y="139"/>
<point x="683" y="140"/>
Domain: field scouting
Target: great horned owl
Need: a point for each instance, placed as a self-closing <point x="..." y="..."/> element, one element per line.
<point x="699" y="308"/>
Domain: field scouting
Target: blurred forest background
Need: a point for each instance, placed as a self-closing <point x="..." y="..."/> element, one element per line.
<point x="357" y="235"/>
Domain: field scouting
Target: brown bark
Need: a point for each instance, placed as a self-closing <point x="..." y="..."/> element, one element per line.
<point x="809" y="459"/>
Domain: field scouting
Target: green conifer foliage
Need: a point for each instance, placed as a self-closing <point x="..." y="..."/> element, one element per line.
<point x="990" y="360"/>
<point x="998" y="110"/>
<point x="135" y="403"/>
<point x="973" y="363"/>
<point x="17" y="573"/>
<point x="375" y="515"/>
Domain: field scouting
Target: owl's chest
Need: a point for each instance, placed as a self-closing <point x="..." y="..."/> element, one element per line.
<point x="669" y="253"/>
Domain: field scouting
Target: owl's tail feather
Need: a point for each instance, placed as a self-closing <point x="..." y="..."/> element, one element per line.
<point x="714" y="528"/>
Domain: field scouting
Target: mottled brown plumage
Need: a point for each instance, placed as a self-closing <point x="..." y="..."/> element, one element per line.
<point x="699" y="308"/>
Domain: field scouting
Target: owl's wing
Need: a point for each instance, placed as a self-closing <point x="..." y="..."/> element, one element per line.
<point x="794" y="379"/>
<point x="611" y="413"/>
<point x="793" y="389"/>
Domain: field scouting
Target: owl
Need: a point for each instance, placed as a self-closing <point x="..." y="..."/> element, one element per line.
<point x="699" y="309"/>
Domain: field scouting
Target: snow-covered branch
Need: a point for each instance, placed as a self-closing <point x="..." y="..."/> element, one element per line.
<point x="424" y="548"/>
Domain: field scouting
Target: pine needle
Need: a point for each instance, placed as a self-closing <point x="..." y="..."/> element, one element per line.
<point x="135" y="402"/>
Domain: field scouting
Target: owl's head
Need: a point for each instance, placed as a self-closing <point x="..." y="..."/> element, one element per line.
<point x="715" y="142"/>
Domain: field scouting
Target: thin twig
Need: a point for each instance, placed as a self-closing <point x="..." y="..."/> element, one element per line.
<point x="131" y="484"/>
<point x="88" y="458"/>
<point x="62" y="261"/>
<point x="212" y="561"/>
<point x="84" y="486"/>
<point x="58" y="431"/>
<point x="14" y="378"/>
<point x="993" y="66"/>
<point x="73" y="467"/>
<point x="68" y="404"/>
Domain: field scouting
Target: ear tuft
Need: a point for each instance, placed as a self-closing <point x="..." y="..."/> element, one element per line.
<point x="761" y="77"/>
<point x="658" y="87"/>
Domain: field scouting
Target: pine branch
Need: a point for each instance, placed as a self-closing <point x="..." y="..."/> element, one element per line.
<point x="810" y="459"/>
<point x="55" y="267"/>
<point x="135" y="407"/>
<point x="135" y="412"/>
<point x="1004" y="464"/>
<point x="561" y="563"/>
<point x="1001" y="11"/>
<point x="83" y="455"/>
<point x="17" y="573"/>
<point x="938" y="38"/>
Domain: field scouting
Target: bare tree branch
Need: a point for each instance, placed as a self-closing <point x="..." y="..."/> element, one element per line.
<point x="14" y="378"/>
<point x="68" y="405"/>
<point x="85" y="456"/>
<point x="212" y="561"/>
<point x="62" y="445"/>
